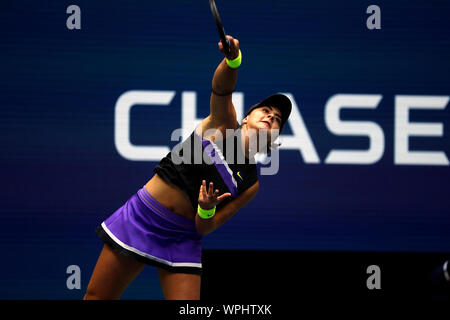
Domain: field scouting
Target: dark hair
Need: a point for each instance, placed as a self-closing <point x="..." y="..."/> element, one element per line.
<point x="281" y="101"/>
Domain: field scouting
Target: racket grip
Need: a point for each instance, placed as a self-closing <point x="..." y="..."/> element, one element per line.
<point x="227" y="47"/>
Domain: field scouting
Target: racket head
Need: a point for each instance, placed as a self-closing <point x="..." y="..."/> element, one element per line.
<point x="220" y="29"/>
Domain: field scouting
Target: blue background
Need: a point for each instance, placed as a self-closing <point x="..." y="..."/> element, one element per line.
<point x="62" y="175"/>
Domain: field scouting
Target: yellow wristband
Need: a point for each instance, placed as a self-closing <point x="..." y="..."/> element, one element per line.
<point x="206" y="214"/>
<point x="235" y="63"/>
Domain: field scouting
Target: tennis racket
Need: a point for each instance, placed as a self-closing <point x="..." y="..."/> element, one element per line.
<point x="220" y="29"/>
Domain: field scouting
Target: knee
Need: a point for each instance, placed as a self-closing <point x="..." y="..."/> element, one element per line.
<point x="90" y="295"/>
<point x="98" y="295"/>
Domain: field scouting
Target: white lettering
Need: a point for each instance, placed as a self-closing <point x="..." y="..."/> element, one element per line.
<point x="122" y="124"/>
<point x="405" y="129"/>
<point x="197" y="310"/>
<point x="300" y="139"/>
<point x="354" y="128"/>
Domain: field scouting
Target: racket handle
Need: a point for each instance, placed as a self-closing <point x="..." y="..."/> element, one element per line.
<point x="227" y="47"/>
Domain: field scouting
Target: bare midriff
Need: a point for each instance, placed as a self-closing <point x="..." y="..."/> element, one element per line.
<point x="170" y="196"/>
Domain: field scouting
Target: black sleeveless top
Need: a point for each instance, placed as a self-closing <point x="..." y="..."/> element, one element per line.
<point x="222" y="162"/>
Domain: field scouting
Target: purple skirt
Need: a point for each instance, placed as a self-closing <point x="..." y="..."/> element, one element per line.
<point x="146" y="230"/>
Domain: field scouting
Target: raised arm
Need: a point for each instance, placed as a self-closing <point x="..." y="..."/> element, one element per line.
<point x="222" y="112"/>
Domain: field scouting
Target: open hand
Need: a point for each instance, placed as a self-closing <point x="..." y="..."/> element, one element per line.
<point x="209" y="199"/>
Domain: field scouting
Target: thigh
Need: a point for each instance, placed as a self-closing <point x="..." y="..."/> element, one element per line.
<point x="112" y="274"/>
<point x="179" y="286"/>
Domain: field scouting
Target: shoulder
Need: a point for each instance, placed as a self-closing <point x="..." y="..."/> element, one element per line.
<point x="210" y="127"/>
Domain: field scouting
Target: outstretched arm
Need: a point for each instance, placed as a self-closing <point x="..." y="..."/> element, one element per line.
<point x="222" y="111"/>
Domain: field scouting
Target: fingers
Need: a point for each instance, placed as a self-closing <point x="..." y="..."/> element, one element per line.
<point x="233" y="42"/>
<point x="234" y="46"/>
<point x="210" y="190"/>
<point x="207" y="194"/>
<point x="222" y="197"/>
<point x="203" y="189"/>
<point x="210" y="195"/>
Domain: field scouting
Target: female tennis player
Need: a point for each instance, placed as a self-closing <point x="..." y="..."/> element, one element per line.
<point x="163" y="223"/>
